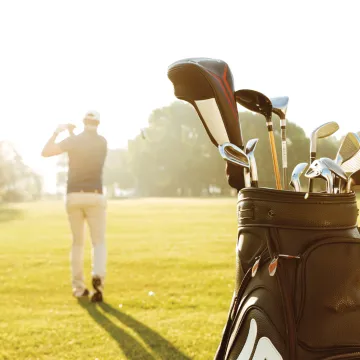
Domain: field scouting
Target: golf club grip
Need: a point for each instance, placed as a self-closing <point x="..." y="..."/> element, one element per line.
<point x="275" y="160"/>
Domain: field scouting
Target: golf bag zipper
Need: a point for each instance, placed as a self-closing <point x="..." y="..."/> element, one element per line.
<point x="276" y="268"/>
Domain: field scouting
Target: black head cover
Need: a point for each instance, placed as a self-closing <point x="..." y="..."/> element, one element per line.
<point x="208" y="85"/>
<point x="254" y="101"/>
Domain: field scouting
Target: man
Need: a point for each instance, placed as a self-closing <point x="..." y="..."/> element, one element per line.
<point x="84" y="200"/>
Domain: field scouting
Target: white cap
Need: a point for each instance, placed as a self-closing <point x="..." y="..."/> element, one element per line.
<point x="92" y="115"/>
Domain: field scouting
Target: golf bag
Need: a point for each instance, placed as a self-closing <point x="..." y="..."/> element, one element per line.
<point x="297" y="292"/>
<point x="208" y="85"/>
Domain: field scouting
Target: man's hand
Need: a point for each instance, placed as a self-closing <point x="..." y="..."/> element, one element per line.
<point x="61" y="128"/>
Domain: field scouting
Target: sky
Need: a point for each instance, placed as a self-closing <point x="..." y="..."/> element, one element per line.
<point x="59" y="59"/>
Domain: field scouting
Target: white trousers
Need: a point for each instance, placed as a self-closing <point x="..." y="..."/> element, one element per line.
<point x="89" y="207"/>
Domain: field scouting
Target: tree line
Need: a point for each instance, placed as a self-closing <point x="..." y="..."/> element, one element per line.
<point x="172" y="156"/>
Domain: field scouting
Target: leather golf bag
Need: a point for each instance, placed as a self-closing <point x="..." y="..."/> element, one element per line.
<point x="297" y="292"/>
<point x="208" y="85"/>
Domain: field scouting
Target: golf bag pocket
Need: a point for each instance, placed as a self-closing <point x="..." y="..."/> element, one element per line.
<point x="297" y="288"/>
<point x="328" y="295"/>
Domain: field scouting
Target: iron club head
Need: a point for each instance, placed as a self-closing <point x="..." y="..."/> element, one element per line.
<point x="348" y="148"/>
<point x="295" y="176"/>
<point x="249" y="150"/>
<point x="234" y="154"/>
<point x="318" y="169"/>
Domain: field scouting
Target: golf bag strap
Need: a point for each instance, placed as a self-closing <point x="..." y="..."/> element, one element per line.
<point x="269" y="208"/>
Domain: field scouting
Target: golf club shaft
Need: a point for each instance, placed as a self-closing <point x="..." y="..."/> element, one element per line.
<point x="275" y="160"/>
<point x="312" y="159"/>
<point x="253" y="169"/>
<point x="284" y="152"/>
<point x="247" y="177"/>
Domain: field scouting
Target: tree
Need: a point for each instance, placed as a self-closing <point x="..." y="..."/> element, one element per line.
<point x="18" y="181"/>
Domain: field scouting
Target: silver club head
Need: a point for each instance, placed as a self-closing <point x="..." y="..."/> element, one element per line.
<point x="295" y="176"/>
<point x="280" y="105"/>
<point x="335" y="168"/>
<point x="318" y="169"/>
<point x="348" y="148"/>
<point x="234" y="154"/>
<point x="249" y="150"/>
<point x="321" y="132"/>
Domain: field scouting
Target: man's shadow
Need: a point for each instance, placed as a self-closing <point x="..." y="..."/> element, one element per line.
<point x="132" y="348"/>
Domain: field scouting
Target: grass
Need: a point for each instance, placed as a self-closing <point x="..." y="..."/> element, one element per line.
<point x="181" y="249"/>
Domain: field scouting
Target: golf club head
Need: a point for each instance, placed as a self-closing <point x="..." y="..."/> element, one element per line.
<point x="354" y="182"/>
<point x="251" y="145"/>
<point x="234" y="154"/>
<point x="321" y="132"/>
<point x="334" y="168"/>
<point x="348" y="148"/>
<point x="254" y="101"/>
<point x="279" y="106"/>
<point x="352" y="165"/>
<point x="295" y="176"/>
<point x="318" y="169"/>
<point x="249" y="150"/>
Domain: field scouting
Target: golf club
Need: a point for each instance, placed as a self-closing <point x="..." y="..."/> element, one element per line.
<point x="279" y="107"/>
<point x="338" y="173"/>
<point x="249" y="150"/>
<point x="354" y="182"/>
<point x="318" y="169"/>
<point x="259" y="103"/>
<point x="295" y="176"/>
<point x="234" y="154"/>
<point x="320" y="132"/>
<point x="353" y="164"/>
<point x="348" y="148"/>
<point x="208" y="85"/>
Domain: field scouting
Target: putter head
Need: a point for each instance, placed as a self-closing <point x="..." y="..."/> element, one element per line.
<point x="318" y="169"/>
<point x="279" y="106"/>
<point x="334" y="168"/>
<point x="234" y="154"/>
<point x="322" y="131"/>
<point x="348" y="148"/>
<point x="254" y="101"/>
<point x="295" y="176"/>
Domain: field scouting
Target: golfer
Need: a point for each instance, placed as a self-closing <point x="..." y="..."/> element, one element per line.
<point x="84" y="199"/>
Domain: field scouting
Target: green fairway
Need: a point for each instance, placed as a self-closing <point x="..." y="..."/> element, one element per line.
<point x="181" y="249"/>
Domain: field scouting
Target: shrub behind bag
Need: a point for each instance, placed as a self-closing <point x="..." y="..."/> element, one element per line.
<point x="297" y="293"/>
